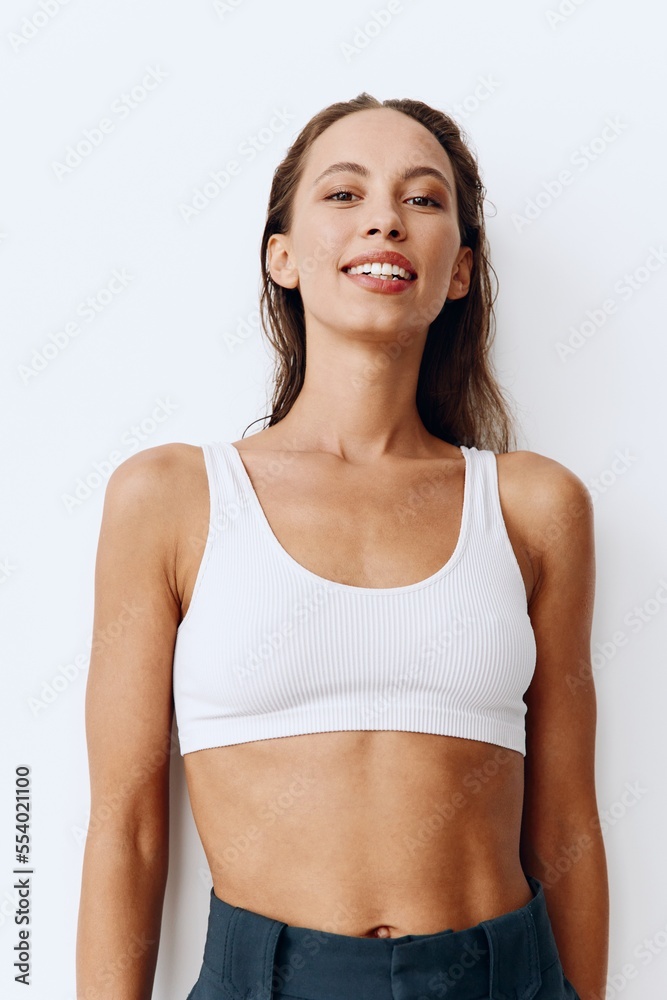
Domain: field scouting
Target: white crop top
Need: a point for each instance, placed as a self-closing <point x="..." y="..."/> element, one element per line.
<point x="268" y="648"/>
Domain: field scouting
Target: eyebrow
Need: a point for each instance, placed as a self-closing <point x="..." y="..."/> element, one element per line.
<point x="410" y="172"/>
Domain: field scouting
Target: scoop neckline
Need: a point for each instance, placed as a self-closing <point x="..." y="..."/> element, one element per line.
<point x="337" y="585"/>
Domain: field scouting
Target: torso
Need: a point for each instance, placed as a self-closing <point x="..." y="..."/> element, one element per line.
<point x="360" y="833"/>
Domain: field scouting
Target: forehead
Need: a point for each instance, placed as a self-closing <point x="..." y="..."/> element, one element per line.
<point x="383" y="139"/>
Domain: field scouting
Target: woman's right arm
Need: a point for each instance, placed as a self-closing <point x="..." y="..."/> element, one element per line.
<point x="129" y="711"/>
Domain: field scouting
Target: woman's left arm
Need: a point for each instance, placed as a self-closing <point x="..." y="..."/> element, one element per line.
<point x="561" y="838"/>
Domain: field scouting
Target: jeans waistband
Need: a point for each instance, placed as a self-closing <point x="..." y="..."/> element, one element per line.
<point x="254" y="957"/>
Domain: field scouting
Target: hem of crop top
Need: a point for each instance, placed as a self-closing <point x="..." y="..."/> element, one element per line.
<point x="461" y="725"/>
<point x="464" y="532"/>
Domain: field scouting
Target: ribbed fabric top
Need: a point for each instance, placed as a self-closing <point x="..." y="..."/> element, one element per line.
<point x="268" y="648"/>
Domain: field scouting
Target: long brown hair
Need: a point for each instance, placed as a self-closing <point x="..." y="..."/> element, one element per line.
<point x="458" y="397"/>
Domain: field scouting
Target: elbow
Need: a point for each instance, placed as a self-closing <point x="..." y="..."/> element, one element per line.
<point x="129" y="838"/>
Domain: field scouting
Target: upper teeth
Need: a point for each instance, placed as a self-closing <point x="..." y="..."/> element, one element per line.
<point x="376" y="267"/>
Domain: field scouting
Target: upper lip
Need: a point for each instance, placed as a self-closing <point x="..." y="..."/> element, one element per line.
<point x="390" y="256"/>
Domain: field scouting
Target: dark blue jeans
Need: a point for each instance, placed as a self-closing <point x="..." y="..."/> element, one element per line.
<point x="248" y="956"/>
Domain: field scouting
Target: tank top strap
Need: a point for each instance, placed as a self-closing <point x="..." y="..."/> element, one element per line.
<point x="226" y="494"/>
<point x="232" y="497"/>
<point x="486" y="513"/>
<point x="231" y="493"/>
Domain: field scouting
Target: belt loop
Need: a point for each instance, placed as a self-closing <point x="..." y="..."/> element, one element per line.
<point x="250" y="949"/>
<point x="514" y="967"/>
<point x="490" y="937"/>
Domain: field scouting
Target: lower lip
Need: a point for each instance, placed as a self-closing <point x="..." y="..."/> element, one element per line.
<point x="386" y="285"/>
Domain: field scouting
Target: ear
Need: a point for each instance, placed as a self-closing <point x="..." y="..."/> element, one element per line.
<point x="279" y="263"/>
<point x="461" y="274"/>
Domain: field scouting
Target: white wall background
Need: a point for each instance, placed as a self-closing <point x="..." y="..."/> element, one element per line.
<point x="553" y="81"/>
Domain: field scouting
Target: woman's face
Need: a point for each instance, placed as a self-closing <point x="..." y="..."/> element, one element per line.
<point x="414" y="216"/>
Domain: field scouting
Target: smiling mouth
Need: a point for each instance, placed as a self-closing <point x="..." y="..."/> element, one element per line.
<point x="386" y="272"/>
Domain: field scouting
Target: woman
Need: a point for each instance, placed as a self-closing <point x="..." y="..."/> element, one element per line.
<point x="354" y="602"/>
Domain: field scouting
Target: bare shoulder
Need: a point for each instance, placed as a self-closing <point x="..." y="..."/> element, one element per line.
<point x="153" y="490"/>
<point x="163" y="463"/>
<point x="547" y="499"/>
<point x="156" y="509"/>
<point x="157" y="476"/>
<point x="539" y="472"/>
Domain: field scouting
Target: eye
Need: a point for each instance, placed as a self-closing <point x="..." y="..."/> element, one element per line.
<point x="425" y="197"/>
<point x="332" y="197"/>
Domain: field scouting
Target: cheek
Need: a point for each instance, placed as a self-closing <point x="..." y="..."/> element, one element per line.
<point x="435" y="288"/>
<point x="445" y="258"/>
<point x="320" y="252"/>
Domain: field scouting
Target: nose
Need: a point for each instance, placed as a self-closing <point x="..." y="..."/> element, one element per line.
<point x="386" y="220"/>
<point x="392" y="232"/>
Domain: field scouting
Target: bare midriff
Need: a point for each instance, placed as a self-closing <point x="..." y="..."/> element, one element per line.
<point x="364" y="833"/>
<point x="376" y="834"/>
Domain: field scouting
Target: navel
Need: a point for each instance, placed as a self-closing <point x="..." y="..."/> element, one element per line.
<point x="380" y="932"/>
